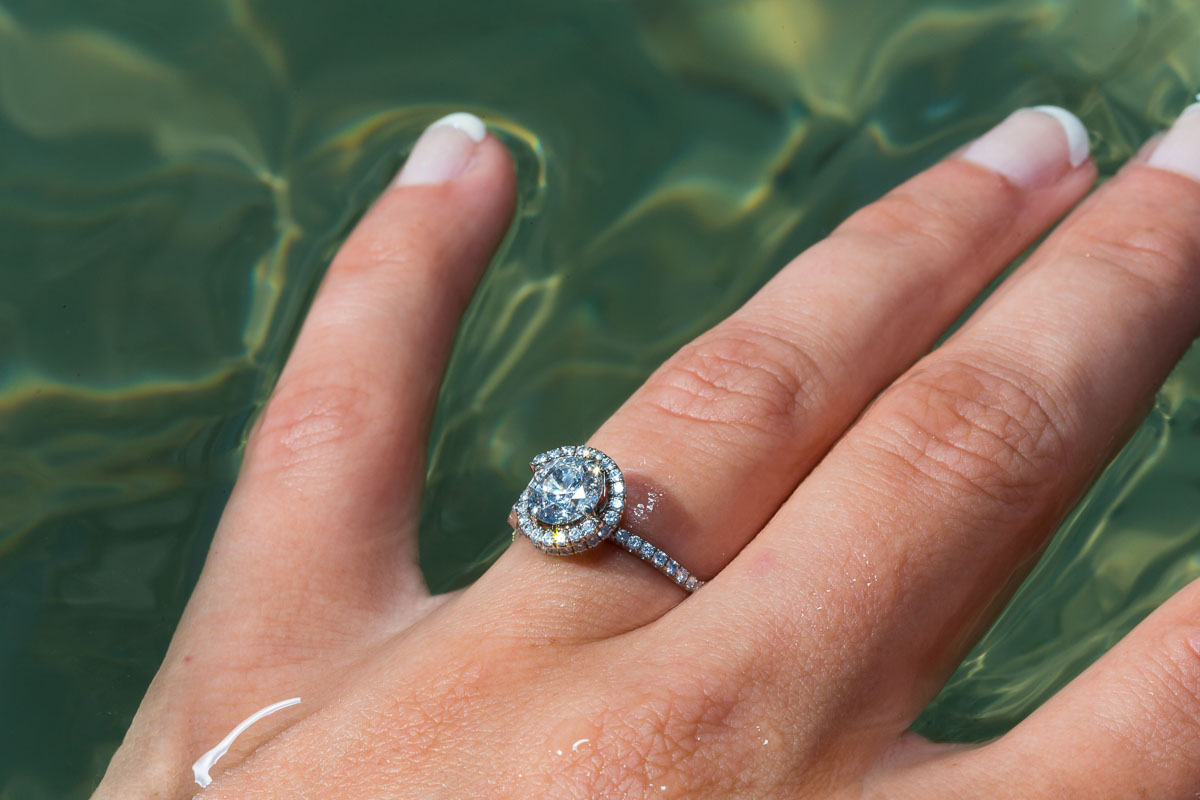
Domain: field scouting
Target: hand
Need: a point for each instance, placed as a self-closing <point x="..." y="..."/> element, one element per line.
<point x="860" y="545"/>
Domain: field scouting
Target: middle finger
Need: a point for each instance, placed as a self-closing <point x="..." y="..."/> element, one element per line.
<point x="899" y="545"/>
<point x="720" y="435"/>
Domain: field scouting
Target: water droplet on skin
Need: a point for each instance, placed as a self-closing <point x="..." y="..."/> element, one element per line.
<point x="640" y="512"/>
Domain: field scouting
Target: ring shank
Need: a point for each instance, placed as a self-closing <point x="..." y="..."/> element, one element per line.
<point x="658" y="559"/>
<point x="564" y="481"/>
<point x="652" y="555"/>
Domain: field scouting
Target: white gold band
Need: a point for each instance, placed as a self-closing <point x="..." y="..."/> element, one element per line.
<point x="575" y="501"/>
<point x="658" y="559"/>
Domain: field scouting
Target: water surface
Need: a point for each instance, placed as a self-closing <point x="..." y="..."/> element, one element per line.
<point x="174" y="178"/>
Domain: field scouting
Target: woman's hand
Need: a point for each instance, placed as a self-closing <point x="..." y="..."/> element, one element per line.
<point x="862" y="504"/>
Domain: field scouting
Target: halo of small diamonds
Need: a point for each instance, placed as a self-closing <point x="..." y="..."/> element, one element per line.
<point x="575" y="501"/>
<point x="564" y="488"/>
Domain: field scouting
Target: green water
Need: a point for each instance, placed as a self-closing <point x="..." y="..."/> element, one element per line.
<point x="175" y="175"/>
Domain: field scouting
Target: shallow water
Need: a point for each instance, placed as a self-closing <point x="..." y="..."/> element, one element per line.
<point x="174" y="177"/>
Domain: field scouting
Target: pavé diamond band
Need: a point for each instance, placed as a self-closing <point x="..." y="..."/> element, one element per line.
<point x="575" y="501"/>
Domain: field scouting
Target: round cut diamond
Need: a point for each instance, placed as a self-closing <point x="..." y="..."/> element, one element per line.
<point x="566" y="489"/>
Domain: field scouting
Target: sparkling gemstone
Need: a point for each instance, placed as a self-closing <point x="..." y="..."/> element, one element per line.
<point x="566" y="489"/>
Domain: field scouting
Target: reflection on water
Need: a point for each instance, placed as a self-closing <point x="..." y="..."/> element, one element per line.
<point x="175" y="176"/>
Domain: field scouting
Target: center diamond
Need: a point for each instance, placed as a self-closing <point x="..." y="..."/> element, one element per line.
<point x="566" y="489"/>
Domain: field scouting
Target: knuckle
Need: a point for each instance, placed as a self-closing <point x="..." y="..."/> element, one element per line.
<point x="383" y="240"/>
<point x="986" y="430"/>
<point x="1177" y="671"/>
<point x="1163" y="692"/>
<point x="1143" y="249"/>
<point x="660" y="740"/>
<point x="738" y="376"/>
<point x="910" y="216"/>
<point x="308" y="420"/>
<point x="436" y="706"/>
<point x="433" y="711"/>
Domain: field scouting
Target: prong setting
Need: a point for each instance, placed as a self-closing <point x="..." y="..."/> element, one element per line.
<point x="575" y="500"/>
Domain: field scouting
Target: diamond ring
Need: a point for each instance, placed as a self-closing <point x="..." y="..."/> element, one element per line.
<point x="575" y="501"/>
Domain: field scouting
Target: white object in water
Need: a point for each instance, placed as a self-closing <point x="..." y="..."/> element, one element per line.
<point x="205" y="762"/>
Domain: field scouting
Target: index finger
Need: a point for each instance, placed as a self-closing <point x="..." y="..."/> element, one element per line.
<point x="322" y="521"/>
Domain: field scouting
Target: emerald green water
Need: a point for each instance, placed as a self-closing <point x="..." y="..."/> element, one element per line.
<point x="174" y="177"/>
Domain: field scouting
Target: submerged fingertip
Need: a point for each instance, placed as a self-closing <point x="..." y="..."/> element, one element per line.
<point x="1178" y="150"/>
<point x="466" y="122"/>
<point x="1078" y="144"/>
<point x="1034" y="147"/>
<point x="444" y="150"/>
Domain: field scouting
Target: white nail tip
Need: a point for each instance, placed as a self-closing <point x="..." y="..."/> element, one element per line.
<point x="469" y="124"/>
<point x="1077" y="136"/>
<point x="1177" y="152"/>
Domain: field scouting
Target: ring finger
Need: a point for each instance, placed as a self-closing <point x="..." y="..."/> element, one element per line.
<point x="723" y="432"/>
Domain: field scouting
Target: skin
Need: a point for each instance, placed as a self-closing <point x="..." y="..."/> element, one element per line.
<point x="888" y="498"/>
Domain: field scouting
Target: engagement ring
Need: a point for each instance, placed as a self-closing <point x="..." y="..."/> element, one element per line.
<point x="575" y="501"/>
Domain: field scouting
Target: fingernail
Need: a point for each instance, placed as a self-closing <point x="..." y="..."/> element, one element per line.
<point x="1179" y="150"/>
<point x="1033" y="147"/>
<point x="443" y="151"/>
<point x="1147" y="149"/>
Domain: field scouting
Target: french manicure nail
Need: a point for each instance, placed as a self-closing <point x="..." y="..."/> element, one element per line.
<point x="1033" y="147"/>
<point x="443" y="151"/>
<point x="1147" y="149"/>
<point x="1179" y="150"/>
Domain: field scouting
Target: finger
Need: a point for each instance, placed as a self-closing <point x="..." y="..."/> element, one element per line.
<point x="317" y="537"/>
<point x="1129" y="726"/>
<point x="721" y="434"/>
<point x="324" y="513"/>
<point x="900" y="543"/>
